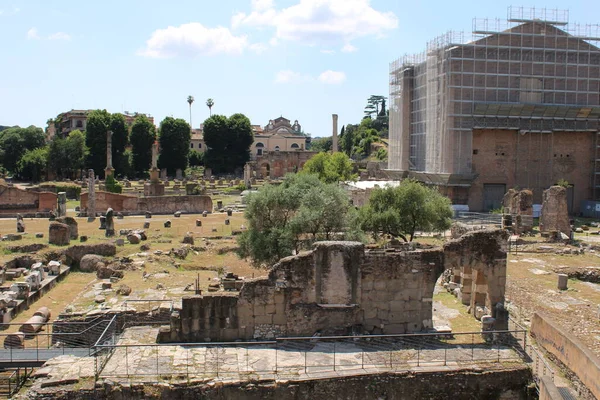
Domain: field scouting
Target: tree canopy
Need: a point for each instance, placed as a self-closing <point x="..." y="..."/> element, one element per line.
<point x="99" y="122"/>
<point x="291" y="216"/>
<point x="402" y="210"/>
<point x="228" y="142"/>
<point x="143" y="136"/>
<point x="174" y="138"/>
<point x="330" y="168"/>
<point x="33" y="164"/>
<point x="15" y="141"/>
<point x="66" y="156"/>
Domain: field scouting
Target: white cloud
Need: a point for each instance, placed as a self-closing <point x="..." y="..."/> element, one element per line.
<point x="328" y="51"/>
<point x="318" y="22"/>
<point x="332" y="77"/>
<point x="191" y="40"/>
<point x="15" y="10"/>
<point x="289" y="76"/>
<point x="59" y="36"/>
<point x="348" y="48"/>
<point x="259" y="48"/>
<point x="262" y="4"/>
<point x="327" y="77"/>
<point x="32" y="34"/>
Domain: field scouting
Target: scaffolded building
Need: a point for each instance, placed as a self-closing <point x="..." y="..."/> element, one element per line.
<point x="514" y="104"/>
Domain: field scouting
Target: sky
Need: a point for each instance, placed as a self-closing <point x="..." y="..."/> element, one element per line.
<point x="301" y="59"/>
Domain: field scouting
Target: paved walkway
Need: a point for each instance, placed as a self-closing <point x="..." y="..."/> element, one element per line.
<point x="299" y="359"/>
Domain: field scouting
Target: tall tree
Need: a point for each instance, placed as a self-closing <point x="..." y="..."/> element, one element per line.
<point x="401" y="211"/>
<point x="98" y="124"/>
<point x="32" y="166"/>
<point x="210" y="103"/>
<point x="66" y="156"/>
<point x="143" y="136"/>
<point x="330" y="168"/>
<point x="190" y="100"/>
<point x="15" y="141"/>
<point x="293" y="215"/>
<point x="228" y="142"/>
<point x="174" y="138"/>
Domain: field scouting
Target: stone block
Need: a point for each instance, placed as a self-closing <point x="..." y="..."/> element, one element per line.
<point x="563" y="281"/>
<point x="259" y="310"/>
<point x="270" y="308"/>
<point x="370" y="312"/>
<point x="394" y="329"/>
<point x="379" y="285"/>
<point x="396" y="306"/>
<point x="263" y="319"/>
<point x="279" y="318"/>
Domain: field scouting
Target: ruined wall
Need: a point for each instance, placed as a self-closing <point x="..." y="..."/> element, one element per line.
<point x="569" y="351"/>
<point x="14" y="200"/>
<point x="105" y="200"/>
<point x="154" y="204"/>
<point x="506" y="383"/>
<point x="338" y="287"/>
<point x="555" y="215"/>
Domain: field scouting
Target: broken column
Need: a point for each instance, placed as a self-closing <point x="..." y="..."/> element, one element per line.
<point x="248" y="175"/>
<point x="91" y="204"/>
<point x="20" y="224"/>
<point x="563" y="280"/>
<point x="59" y="234"/>
<point x="555" y="212"/>
<point x="62" y="204"/>
<point x="334" y="141"/>
<point x="109" y="168"/>
<point x="110" y="223"/>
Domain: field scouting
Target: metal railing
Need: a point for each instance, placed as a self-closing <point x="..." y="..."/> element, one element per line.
<point x="284" y="357"/>
<point x="479" y="219"/>
<point x="54" y="339"/>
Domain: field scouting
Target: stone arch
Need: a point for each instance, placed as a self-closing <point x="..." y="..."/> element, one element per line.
<point x="477" y="261"/>
<point x="265" y="169"/>
<point x="295" y="146"/>
<point x="278" y="169"/>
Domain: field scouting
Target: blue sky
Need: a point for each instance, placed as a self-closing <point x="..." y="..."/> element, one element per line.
<point x="303" y="59"/>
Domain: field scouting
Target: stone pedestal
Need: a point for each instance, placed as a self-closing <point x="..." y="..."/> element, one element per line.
<point x="108" y="171"/>
<point x="154" y="189"/>
<point x="154" y="175"/>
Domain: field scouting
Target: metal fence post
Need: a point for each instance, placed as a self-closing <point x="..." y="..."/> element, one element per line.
<point x="362" y="358"/>
<point x="334" y="355"/>
<point x="472" y="347"/>
<point x="157" y="371"/>
<point x="126" y="360"/>
<point x="276" y="348"/>
<point x="187" y="364"/>
<point x="217" y="361"/>
<point x="418" y="356"/>
<point x="305" y="351"/>
<point x="445" y="355"/>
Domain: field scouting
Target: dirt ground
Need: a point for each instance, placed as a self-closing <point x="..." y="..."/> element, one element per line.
<point x="156" y="275"/>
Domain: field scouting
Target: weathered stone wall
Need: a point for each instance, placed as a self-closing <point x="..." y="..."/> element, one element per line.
<point x="506" y="383"/>
<point x="548" y="390"/>
<point x="518" y="204"/>
<point x="338" y="287"/>
<point x="154" y="204"/>
<point x="14" y="200"/>
<point x="569" y="351"/>
<point x="555" y="213"/>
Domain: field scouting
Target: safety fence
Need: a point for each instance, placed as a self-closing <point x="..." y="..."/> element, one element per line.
<point x="51" y="340"/>
<point x="285" y="357"/>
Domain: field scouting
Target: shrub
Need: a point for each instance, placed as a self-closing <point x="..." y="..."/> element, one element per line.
<point x="112" y="185"/>
<point x="73" y="190"/>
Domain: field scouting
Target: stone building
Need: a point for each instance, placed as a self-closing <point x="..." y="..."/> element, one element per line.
<point x="14" y="200"/>
<point x="278" y="135"/>
<point x="515" y="104"/>
<point x="72" y="120"/>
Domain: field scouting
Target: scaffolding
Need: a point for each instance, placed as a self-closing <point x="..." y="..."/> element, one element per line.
<point x="531" y="72"/>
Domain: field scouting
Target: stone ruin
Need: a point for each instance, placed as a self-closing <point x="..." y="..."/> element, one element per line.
<point x="339" y="288"/>
<point x="555" y="211"/>
<point x="517" y="210"/>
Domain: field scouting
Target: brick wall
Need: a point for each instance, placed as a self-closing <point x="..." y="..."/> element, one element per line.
<point x="533" y="161"/>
